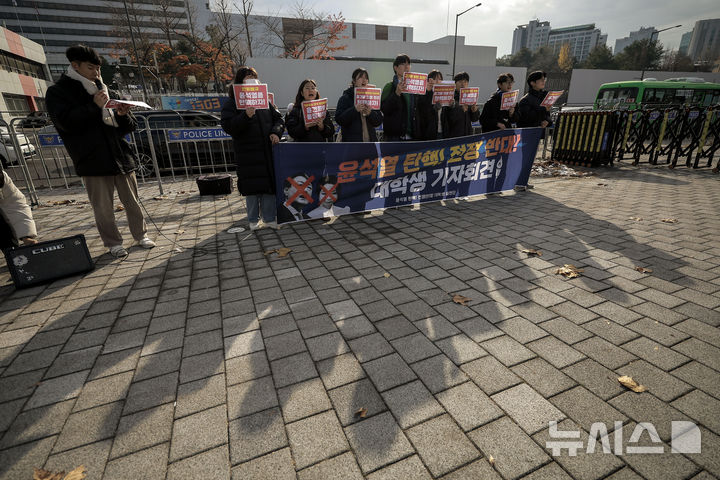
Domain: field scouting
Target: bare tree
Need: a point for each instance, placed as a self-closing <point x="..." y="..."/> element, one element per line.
<point x="167" y="20"/>
<point x="224" y="34"/>
<point x="137" y="26"/>
<point x="301" y="34"/>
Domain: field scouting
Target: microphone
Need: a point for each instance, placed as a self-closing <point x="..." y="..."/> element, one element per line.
<point x="98" y="84"/>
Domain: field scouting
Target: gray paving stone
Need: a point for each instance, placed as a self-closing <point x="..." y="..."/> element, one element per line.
<point x="57" y="389"/>
<point x="251" y="397"/>
<point x="199" y="395"/>
<point x="661" y="384"/>
<point x="370" y="347"/>
<point x="410" y="467"/>
<point x="89" y="426"/>
<point x="18" y="461"/>
<point x="355" y="327"/>
<point x="349" y="399"/>
<point x="343" y="310"/>
<point x="92" y="457"/>
<point x="303" y="399"/>
<point x="647" y="408"/>
<point x="585" y="408"/>
<point x="211" y="465"/>
<point x="700" y="407"/>
<point x="514" y="451"/>
<point x="521" y="330"/>
<point x="243" y="344"/>
<point x="527" y="407"/>
<point x="273" y="466"/>
<point x="284" y="345"/>
<point x="340" y="370"/>
<point x="611" y="331"/>
<point x="700" y="330"/>
<point x="507" y="350"/>
<point x="104" y="390"/>
<point x="142" y="430"/>
<point x="555" y="352"/>
<point x="202" y="366"/>
<point x="326" y="346"/>
<point x="316" y="438"/>
<point x="202" y="343"/>
<point x="35" y="360"/>
<point x="293" y="369"/>
<point x="388" y="372"/>
<point x="342" y="466"/>
<point x="551" y="471"/>
<point x="37" y="423"/>
<point x="411" y="404"/>
<point x="124" y="340"/>
<point x="574" y="312"/>
<point x="198" y="432"/>
<point x="460" y="349"/>
<point x="244" y="368"/>
<point x="656" y="354"/>
<point x="442" y="445"/>
<point x="490" y="375"/>
<point x="152" y="462"/>
<point x="700" y="351"/>
<point x="605" y="353"/>
<point x="543" y="377"/>
<point x="414" y="347"/>
<point x="436" y="328"/>
<point x="158" y="364"/>
<point x="583" y="465"/>
<point x="479" y="330"/>
<point x="395" y="327"/>
<point x="596" y="378"/>
<point x="377" y="441"/>
<point x="149" y="393"/>
<point x="700" y="376"/>
<point x="115" y="363"/>
<point x="9" y="411"/>
<point x="469" y="406"/>
<point x="256" y="435"/>
<point x="439" y="373"/>
<point x="314" y="326"/>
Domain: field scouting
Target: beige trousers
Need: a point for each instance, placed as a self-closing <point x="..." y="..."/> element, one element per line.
<point x="101" y="192"/>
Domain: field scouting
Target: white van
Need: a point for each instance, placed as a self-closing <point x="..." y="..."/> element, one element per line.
<point x="7" y="147"/>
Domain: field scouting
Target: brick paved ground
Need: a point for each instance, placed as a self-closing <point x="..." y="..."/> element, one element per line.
<point x="221" y="362"/>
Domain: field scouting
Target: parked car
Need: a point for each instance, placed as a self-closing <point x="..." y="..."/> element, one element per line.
<point x="181" y="140"/>
<point x="8" y="156"/>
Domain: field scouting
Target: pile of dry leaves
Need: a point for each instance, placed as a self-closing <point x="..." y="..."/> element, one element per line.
<point x="549" y="168"/>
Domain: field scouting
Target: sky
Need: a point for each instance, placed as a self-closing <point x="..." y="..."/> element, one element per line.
<point x="493" y="22"/>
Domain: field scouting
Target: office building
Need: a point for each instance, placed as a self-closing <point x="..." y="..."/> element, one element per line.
<point x="581" y="38"/>
<point x="532" y="36"/>
<point x="642" y="34"/>
<point x="705" y="42"/>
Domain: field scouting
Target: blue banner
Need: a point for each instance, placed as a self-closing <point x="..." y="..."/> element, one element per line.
<point x="315" y="180"/>
<point x="50" y="140"/>
<point x="208" y="103"/>
<point x="194" y="134"/>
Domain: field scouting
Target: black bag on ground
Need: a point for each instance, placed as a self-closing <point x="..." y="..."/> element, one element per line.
<point x="214" y="184"/>
<point x="46" y="261"/>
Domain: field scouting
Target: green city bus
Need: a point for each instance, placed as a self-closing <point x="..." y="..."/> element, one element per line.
<point x="636" y="94"/>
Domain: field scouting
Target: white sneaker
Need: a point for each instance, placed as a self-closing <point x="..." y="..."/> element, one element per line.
<point x="146" y="243"/>
<point x="254" y="226"/>
<point x="273" y="225"/>
<point x="520" y="188"/>
<point x="118" y="251"/>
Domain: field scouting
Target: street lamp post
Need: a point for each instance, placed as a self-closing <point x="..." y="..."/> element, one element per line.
<point x="656" y="32"/>
<point x="456" y="27"/>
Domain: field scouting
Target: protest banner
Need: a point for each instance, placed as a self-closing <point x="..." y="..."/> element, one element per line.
<point x="415" y="83"/>
<point x="319" y="180"/>
<point x="251" y="96"/>
<point x="509" y="99"/>
<point x="443" y="93"/>
<point x="114" y="103"/>
<point x="551" y="98"/>
<point x="469" y="95"/>
<point x="314" y="110"/>
<point x="368" y="96"/>
<point x="211" y="103"/>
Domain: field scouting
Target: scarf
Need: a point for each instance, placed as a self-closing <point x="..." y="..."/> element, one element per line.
<point x="108" y="115"/>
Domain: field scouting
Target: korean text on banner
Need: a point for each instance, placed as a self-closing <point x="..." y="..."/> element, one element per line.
<point x="509" y="99"/>
<point x="443" y="94"/>
<point x="314" y="110"/>
<point x="469" y="95"/>
<point x="113" y="103"/>
<point x="368" y="96"/>
<point x="415" y="83"/>
<point x="251" y="96"/>
<point x="330" y="179"/>
<point x="551" y="98"/>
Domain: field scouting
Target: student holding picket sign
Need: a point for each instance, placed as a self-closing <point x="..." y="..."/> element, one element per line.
<point x="255" y="125"/>
<point x="458" y="118"/>
<point x="498" y="113"/>
<point x="308" y="120"/>
<point x="428" y="109"/>
<point x="358" y="109"/>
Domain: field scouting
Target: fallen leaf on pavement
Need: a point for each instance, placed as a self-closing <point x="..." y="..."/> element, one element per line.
<point x="361" y="413"/>
<point x="457" y="298"/>
<point x="77" y="474"/>
<point x="180" y="232"/>
<point x="491" y="461"/>
<point x="531" y="251"/>
<point x="119" y="208"/>
<point x="160" y="197"/>
<point x="643" y="269"/>
<point x="631" y="384"/>
<point x="669" y="220"/>
<point x="386" y="275"/>
<point x="282" y="252"/>
<point x="569" y="271"/>
<point x="637" y="219"/>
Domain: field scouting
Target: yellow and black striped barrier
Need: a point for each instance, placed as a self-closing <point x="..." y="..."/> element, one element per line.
<point x="584" y="138"/>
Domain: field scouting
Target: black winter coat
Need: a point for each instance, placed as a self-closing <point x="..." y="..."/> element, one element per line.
<point x="349" y="119"/>
<point x="96" y="149"/>
<point x="395" y="111"/>
<point x="253" y="149"/>
<point x="427" y="118"/>
<point x="491" y="114"/>
<point x="456" y="122"/>
<point x="529" y="111"/>
<point x="295" y="124"/>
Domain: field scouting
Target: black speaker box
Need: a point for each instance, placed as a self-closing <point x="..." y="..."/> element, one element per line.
<point x="46" y="261"/>
<point x="214" y="184"/>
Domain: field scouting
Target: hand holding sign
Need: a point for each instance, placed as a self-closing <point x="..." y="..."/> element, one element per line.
<point x="415" y="83"/>
<point x="509" y="99"/>
<point x="551" y="98"/>
<point x="368" y="96"/>
<point x="443" y="93"/>
<point x="251" y="96"/>
<point x="469" y="96"/>
<point x="314" y="111"/>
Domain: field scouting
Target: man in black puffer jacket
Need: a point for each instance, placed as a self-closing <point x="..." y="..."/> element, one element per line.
<point x="93" y="136"/>
<point x="399" y="108"/>
<point x="457" y="119"/>
<point x="492" y="117"/>
<point x="530" y="113"/>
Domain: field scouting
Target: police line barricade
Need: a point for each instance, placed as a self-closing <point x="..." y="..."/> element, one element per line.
<point x="687" y="134"/>
<point x="316" y="180"/>
<point x="584" y="138"/>
<point x="709" y="142"/>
